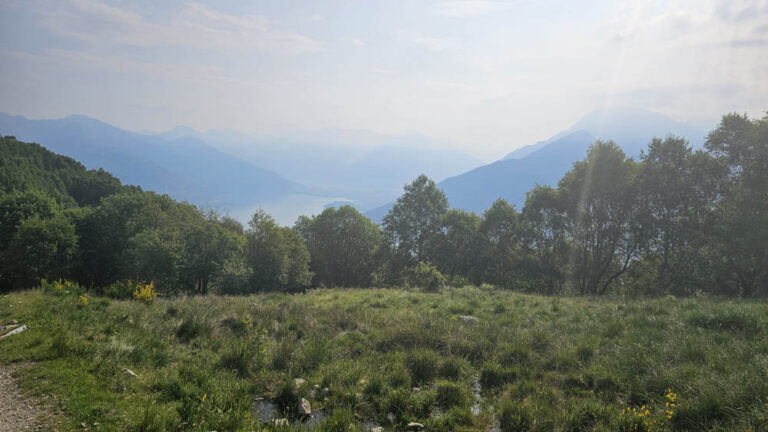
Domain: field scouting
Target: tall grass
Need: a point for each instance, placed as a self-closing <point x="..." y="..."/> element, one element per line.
<point x="541" y="363"/>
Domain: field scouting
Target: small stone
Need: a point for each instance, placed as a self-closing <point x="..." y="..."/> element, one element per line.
<point x="298" y="382"/>
<point x="414" y="425"/>
<point x="96" y="423"/>
<point x="305" y="408"/>
<point x="316" y="387"/>
<point x="468" y="319"/>
<point x="416" y="389"/>
<point x="130" y="372"/>
<point x="391" y="417"/>
<point x="15" y="331"/>
<point x="377" y="429"/>
<point x="326" y="391"/>
<point x="281" y="422"/>
<point x="83" y="425"/>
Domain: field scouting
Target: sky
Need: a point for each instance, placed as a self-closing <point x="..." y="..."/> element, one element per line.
<point x="482" y="76"/>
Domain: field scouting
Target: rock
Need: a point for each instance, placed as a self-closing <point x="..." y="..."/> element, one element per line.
<point x="416" y="390"/>
<point x="298" y="382"/>
<point x="130" y="372"/>
<point x="316" y="387"/>
<point x="305" y="408"/>
<point x="15" y="331"/>
<point x="391" y="417"/>
<point x="377" y="429"/>
<point x="326" y="391"/>
<point x="8" y="326"/>
<point x="468" y="319"/>
<point x="12" y="322"/>
<point x="281" y="422"/>
<point x="415" y="426"/>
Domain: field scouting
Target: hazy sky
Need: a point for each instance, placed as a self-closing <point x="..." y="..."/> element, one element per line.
<point x="485" y="76"/>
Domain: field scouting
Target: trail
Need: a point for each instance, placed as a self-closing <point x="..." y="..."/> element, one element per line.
<point x="17" y="413"/>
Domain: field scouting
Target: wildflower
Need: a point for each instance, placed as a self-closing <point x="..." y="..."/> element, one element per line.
<point x="145" y="292"/>
<point x="83" y="300"/>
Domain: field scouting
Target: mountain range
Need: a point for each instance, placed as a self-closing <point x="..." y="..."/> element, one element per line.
<point x="186" y="168"/>
<point x="545" y="162"/>
<point x="364" y="167"/>
<point x="303" y="172"/>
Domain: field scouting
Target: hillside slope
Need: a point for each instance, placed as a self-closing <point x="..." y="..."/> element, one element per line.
<point x="186" y="169"/>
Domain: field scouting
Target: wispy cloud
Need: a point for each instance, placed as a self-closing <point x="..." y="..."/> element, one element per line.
<point x="429" y="42"/>
<point x="195" y="26"/>
<point x="467" y="8"/>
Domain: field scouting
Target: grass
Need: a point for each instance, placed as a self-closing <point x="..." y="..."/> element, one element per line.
<point x="542" y="364"/>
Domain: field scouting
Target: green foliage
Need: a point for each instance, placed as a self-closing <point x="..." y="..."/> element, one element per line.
<point x="449" y="395"/>
<point x="277" y="256"/>
<point x="414" y="220"/>
<point x="422" y="365"/>
<point x="345" y="246"/>
<point x="513" y="417"/>
<point x="423" y="275"/>
<point x="551" y="365"/>
<point x="26" y="167"/>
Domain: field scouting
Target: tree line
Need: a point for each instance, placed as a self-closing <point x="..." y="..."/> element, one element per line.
<point x="677" y="221"/>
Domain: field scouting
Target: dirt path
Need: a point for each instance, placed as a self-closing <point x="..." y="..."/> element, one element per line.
<point x="17" y="413"/>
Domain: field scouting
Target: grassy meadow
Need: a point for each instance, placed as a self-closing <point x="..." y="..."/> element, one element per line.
<point x="465" y="359"/>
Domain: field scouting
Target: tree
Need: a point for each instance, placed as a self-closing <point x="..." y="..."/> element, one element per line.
<point x="545" y="239"/>
<point x="674" y="208"/>
<point x="413" y="220"/>
<point x="37" y="240"/>
<point x="343" y="246"/>
<point x="501" y="247"/>
<point x="740" y="146"/>
<point x="455" y="249"/>
<point x="599" y="200"/>
<point x="277" y="256"/>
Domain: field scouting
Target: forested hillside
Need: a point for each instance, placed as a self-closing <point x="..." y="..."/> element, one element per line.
<point x="676" y="221"/>
<point x="186" y="168"/>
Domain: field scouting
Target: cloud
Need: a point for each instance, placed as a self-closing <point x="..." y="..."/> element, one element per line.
<point x="429" y="42"/>
<point x="468" y="8"/>
<point x="357" y="42"/>
<point x="195" y="26"/>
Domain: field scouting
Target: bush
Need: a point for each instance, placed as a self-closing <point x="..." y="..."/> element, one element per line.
<point x="424" y="275"/>
<point x="422" y="364"/>
<point x="513" y="417"/>
<point x="192" y="327"/>
<point x="145" y="292"/>
<point x="449" y="394"/>
<point x="493" y="375"/>
<point x="451" y="368"/>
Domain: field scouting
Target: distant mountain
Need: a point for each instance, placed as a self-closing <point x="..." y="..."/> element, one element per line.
<point x="545" y="162"/>
<point x="361" y="166"/>
<point x="185" y="168"/>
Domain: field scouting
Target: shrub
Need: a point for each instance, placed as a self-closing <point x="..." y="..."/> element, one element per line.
<point x="145" y="292"/>
<point x="121" y="290"/>
<point x="451" y="368"/>
<point x="192" y="327"/>
<point x="422" y="364"/>
<point x="513" y="417"/>
<point x="240" y="356"/>
<point x="423" y="275"/>
<point x="493" y="375"/>
<point x="449" y="394"/>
